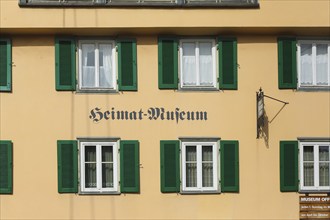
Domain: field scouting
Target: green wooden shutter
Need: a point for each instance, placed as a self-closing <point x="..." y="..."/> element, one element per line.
<point x="167" y="63"/>
<point x="65" y="64"/>
<point x="67" y="160"/>
<point x="6" y="167"/>
<point x="127" y="65"/>
<point x="229" y="166"/>
<point x="170" y="166"/>
<point x="129" y="167"/>
<point x="287" y="63"/>
<point x="5" y="65"/>
<point x="227" y="63"/>
<point x="289" y="166"/>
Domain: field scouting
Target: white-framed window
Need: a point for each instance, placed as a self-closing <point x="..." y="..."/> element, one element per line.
<point x="99" y="167"/>
<point x="200" y="171"/>
<point x="97" y="65"/>
<point x="314" y="166"/>
<point x="313" y="58"/>
<point x="198" y="63"/>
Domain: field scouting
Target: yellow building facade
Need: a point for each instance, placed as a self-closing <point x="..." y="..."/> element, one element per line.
<point x="162" y="98"/>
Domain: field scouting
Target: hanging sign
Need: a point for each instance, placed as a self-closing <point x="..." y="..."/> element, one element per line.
<point x="260" y="111"/>
<point x="314" y="207"/>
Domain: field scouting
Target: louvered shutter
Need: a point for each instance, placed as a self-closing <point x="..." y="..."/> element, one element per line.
<point x="127" y="65"/>
<point x="289" y="166"/>
<point x="287" y="63"/>
<point x="170" y="166"/>
<point x="5" y="65"/>
<point x="129" y="167"/>
<point x="6" y="167"/>
<point x="229" y="166"/>
<point x="67" y="160"/>
<point x="227" y="63"/>
<point x="167" y="63"/>
<point x="65" y="64"/>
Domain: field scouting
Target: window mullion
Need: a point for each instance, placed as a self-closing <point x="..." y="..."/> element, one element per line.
<point x="314" y="63"/>
<point x="316" y="166"/>
<point x="199" y="166"/>
<point x="197" y="64"/>
<point x="97" y="66"/>
<point x="98" y="167"/>
<point x="328" y="64"/>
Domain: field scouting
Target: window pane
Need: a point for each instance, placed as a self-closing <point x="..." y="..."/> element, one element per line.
<point x="324" y="165"/>
<point x="308" y="166"/>
<point x="207" y="167"/>
<point x="308" y="153"/>
<point x="191" y="166"/>
<point x="107" y="154"/>
<point x="190" y="153"/>
<point x="106" y="69"/>
<point x="205" y="64"/>
<point x="207" y="153"/>
<point x="189" y="64"/>
<point x="88" y="65"/>
<point x="107" y="175"/>
<point x="90" y="175"/>
<point x="324" y="153"/>
<point x="306" y="74"/>
<point x="90" y="153"/>
<point x="322" y="64"/>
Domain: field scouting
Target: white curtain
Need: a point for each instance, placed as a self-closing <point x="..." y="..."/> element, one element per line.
<point x="191" y="166"/>
<point x="324" y="165"/>
<point x="90" y="166"/>
<point x="322" y="64"/>
<point x="205" y="64"/>
<point x="189" y="64"/>
<point x="105" y="57"/>
<point x="308" y="165"/>
<point x="306" y="68"/>
<point x="207" y="166"/>
<point x="107" y="166"/>
<point x="88" y="65"/>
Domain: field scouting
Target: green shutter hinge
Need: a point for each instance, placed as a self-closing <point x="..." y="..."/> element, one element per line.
<point x="117" y="48"/>
<point x="218" y="79"/>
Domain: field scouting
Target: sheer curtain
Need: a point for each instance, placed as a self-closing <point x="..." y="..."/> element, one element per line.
<point x="308" y="165"/>
<point x="105" y="57"/>
<point x="306" y="67"/>
<point x="191" y="166"/>
<point x="189" y="64"/>
<point x="88" y="65"/>
<point x="324" y="165"/>
<point x="90" y="166"/>
<point x="207" y="166"/>
<point x="322" y="60"/>
<point x="205" y="64"/>
<point x="107" y="166"/>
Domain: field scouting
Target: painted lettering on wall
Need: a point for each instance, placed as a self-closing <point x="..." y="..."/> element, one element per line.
<point x="153" y="113"/>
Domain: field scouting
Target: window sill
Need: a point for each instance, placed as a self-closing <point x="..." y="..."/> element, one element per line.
<point x="96" y="91"/>
<point x="314" y="191"/>
<point x="314" y="89"/>
<point x="99" y="193"/>
<point x="198" y="89"/>
<point x="199" y="192"/>
<point x="164" y="4"/>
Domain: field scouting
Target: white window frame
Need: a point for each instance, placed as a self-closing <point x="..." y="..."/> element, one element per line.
<point x="314" y="43"/>
<point x="99" y="188"/>
<point x="214" y="67"/>
<point x="114" y="86"/>
<point x="316" y="187"/>
<point x="216" y="167"/>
